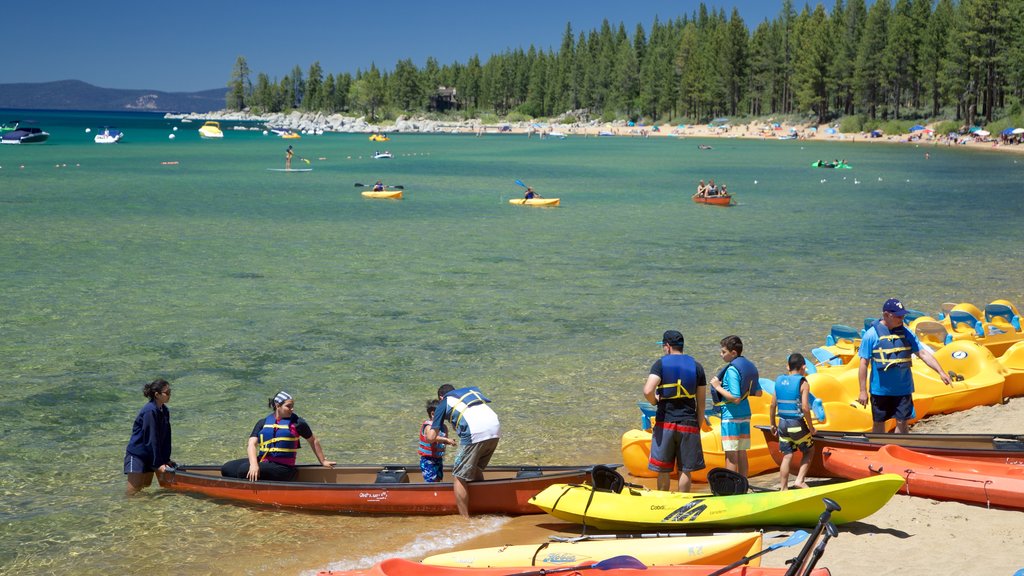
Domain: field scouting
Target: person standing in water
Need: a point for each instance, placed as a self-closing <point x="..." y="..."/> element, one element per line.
<point x="288" y="157"/>
<point x="149" y="448"/>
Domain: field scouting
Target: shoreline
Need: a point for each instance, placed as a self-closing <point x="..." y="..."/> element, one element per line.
<point x="318" y="123"/>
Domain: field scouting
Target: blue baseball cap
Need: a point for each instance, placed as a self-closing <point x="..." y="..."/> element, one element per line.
<point x="673" y="338"/>
<point x="894" y="307"/>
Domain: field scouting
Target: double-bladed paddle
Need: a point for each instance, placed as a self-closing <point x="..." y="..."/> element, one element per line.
<point x="613" y="563"/>
<point x="797" y="537"/>
<point x="396" y="187"/>
<point x="823" y="521"/>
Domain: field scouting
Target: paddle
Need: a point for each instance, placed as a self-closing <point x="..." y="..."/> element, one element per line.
<point x="535" y="194"/>
<point x="586" y="537"/>
<point x="613" y="563"/>
<point x="797" y="537"/>
<point x="395" y="187"/>
<point x="830" y="506"/>
<point x="830" y="532"/>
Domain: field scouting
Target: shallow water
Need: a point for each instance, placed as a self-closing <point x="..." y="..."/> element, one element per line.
<point x="233" y="282"/>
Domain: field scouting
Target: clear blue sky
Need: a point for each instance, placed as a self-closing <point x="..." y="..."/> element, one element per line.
<point x="189" y="45"/>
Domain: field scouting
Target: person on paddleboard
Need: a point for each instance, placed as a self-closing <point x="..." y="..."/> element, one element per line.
<point x="288" y="157"/>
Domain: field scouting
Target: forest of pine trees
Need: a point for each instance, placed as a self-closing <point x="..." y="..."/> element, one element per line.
<point x="897" y="59"/>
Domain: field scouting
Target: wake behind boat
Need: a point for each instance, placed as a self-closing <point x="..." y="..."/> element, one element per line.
<point x="376" y="489"/>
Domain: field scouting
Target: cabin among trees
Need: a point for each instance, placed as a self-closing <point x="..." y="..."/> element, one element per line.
<point x="443" y="100"/>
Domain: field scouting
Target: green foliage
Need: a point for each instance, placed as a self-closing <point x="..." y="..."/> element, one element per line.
<point x="517" y="116"/>
<point x="852" y="124"/>
<point x="947" y="127"/>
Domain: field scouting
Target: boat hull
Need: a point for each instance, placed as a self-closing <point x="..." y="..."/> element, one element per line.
<point x="661" y="551"/>
<point x="641" y="509"/>
<point x="392" y="194"/>
<point x="403" y="567"/>
<point x="937" y="477"/>
<point x="535" y="201"/>
<point x="714" y="200"/>
<point x="357" y="489"/>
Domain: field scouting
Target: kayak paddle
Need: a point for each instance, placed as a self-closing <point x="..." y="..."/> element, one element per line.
<point x="520" y="182"/>
<point x="830" y="532"/>
<point x="797" y="537"/>
<point x="823" y="520"/>
<point x="613" y="563"/>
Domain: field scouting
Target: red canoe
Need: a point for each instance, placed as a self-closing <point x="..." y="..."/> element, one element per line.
<point x="714" y="200"/>
<point x="370" y="489"/>
<point x="970" y="481"/>
<point x="401" y="567"/>
<point x="994" y="448"/>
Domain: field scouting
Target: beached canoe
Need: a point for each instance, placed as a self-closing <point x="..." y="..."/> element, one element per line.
<point x="642" y="509"/>
<point x="994" y="448"/>
<point x="403" y="567"/>
<point x="535" y="201"/>
<point x="370" y="489"/>
<point x="714" y="200"/>
<point x="394" y="194"/>
<point x="938" y="477"/>
<point x="665" y="550"/>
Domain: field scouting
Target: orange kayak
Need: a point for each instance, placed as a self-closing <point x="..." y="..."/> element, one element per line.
<point x="402" y="567"/>
<point x="938" y="477"/>
<point x="714" y="200"/>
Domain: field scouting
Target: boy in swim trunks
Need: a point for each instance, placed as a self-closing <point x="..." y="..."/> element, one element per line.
<point x="791" y="419"/>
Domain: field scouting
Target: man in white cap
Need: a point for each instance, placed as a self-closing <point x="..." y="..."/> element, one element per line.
<point x="886" y="349"/>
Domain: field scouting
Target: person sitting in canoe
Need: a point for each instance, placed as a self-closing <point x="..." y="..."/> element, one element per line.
<point x="530" y="194"/>
<point x="702" y="190"/>
<point x="723" y="191"/>
<point x="274" y="445"/>
<point x="712" y="190"/>
<point x="378" y="186"/>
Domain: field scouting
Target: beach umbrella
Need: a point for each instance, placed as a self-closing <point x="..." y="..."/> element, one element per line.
<point x="982" y="133"/>
<point x="1008" y="131"/>
<point x="974" y="129"/>
<point x="1018" y="130"/>
<point x="916" y="128"/>
<point x="830" y="130"/>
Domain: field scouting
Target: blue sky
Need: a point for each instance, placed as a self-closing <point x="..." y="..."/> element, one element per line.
<point x="189" y="45"/>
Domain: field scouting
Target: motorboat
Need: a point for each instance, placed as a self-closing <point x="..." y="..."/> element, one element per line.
<point x="18" y="134"/>
<point x="211" y="129"/>
<point x="382" y="155"/>
<point x="109" y="135"/>
<point x="379" y="138"/>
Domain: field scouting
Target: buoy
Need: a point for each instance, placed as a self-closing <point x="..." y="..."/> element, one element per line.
<point x="87" y="130"/>
<point x="755" y="181"/>
<point x="265" y="132"/>
<point x="170" y="136"/>
<point x="175" y="128"/>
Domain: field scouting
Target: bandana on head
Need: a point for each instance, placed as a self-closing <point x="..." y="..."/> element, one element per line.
<point x="282" y="397"/>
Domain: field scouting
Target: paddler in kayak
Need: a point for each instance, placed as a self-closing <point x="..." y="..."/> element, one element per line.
<point x="530" y="194"/>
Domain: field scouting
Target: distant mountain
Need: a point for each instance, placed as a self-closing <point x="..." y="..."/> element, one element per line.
<point x="78" y="95"/>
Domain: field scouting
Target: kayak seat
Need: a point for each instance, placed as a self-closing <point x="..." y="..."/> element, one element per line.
<point x="946" y="307"/>
<point x="913" y="315"/>
<point x="725" y="482"/>
<point x="934" y="334"/>
<point x="962" y="321"/>
<point x="1002" y="314"/>
<point x="606" y="479"/>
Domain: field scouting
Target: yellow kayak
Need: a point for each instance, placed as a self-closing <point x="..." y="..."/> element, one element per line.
<point x="535" y="201"/>
<point x="396" y="194"/>
<point x="641" y="509"/>
<point x="663" y="550"/>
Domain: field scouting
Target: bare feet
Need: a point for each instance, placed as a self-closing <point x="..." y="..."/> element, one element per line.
<point x="800" y="485"/>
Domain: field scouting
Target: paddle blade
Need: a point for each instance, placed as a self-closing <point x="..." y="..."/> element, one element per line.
<point x="617" y="562"/>
<point x="306" y="160"/>
<point x="359" y="185"/>
<point x="520" y="182"/>
<point x="399" y="187"/>
<point x="797" y="537"/>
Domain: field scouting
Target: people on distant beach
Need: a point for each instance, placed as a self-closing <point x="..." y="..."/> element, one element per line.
<point x="274" y="444"/>
<point x="478" y="430"/>
<point x="729" y="391"/>
<point x="432" y="453"/>
<point x="790" y="417"/>
<point x="288" y="157"/>
<point x="885" y="351"/>
<point x="149" y="448"/>
<point x="676" y="385"/>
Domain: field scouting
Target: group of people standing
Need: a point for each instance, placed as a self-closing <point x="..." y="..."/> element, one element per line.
<point x="710" y="190"/>
<point x="677" y="386"/>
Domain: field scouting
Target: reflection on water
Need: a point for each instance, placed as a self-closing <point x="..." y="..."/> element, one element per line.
<point x="233" y="283"/>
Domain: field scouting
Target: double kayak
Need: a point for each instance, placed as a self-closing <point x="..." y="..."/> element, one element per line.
<point x="992" y="448"/>
<point x="374" y="489"/>
<point x="938" y="477"/>
<point x="402" y="567"/>
<point x="535" y="201"/>
<point x="664" y="550"/>
<point x="394" y="194"/>
<point x="642" y="509"/>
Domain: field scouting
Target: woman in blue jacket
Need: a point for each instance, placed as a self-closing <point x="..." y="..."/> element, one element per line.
<point x="149" y="449"/>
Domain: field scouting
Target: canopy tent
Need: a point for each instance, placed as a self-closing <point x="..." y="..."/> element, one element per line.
<point x="916" y="128"/>
<point x="830" y="130"/>
<point x="876" y="133"/>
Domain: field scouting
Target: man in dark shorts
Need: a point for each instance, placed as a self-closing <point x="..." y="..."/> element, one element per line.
<point x="886" y="349"/>
<point x="677" y="386"/>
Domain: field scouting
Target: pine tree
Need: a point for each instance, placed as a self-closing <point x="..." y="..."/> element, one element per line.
<point x="240" y="86"/>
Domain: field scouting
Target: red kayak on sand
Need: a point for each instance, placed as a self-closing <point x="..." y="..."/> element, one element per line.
<point x="994" y="448"/>
<point x="969" y="481"/>
<point x="402" y="567"/>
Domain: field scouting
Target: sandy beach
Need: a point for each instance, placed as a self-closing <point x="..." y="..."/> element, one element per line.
<point x="909" y="535"/>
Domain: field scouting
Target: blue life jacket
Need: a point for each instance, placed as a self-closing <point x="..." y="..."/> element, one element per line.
<point x="787" y="396"/>
<point x="891" y="358"/>
<point x="279" y="441"/>
<point x="748" y="379"/>
<point x="678" y="377"/>
<point x="430" y="449"/>
<point x="465" y="398"/>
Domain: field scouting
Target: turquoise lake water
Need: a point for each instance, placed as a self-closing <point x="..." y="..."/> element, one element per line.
<point x="234" y="282"/>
